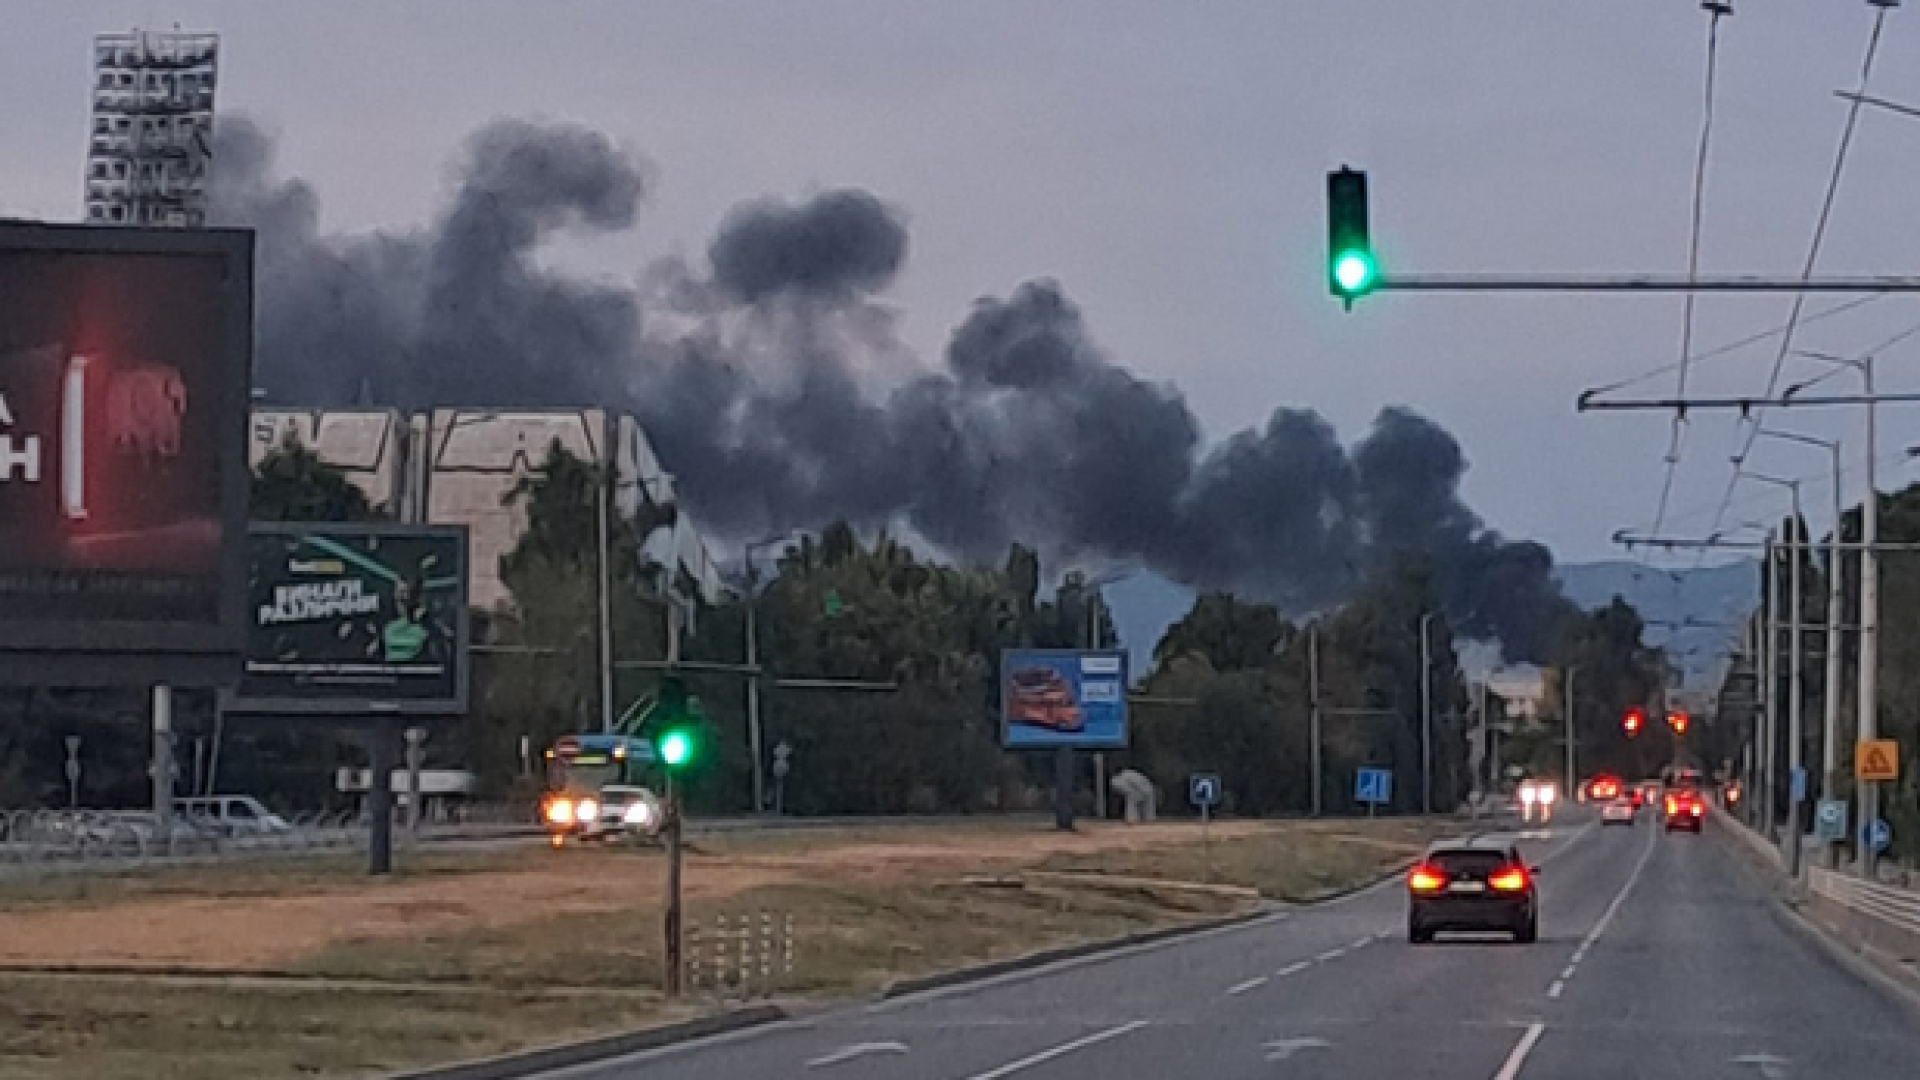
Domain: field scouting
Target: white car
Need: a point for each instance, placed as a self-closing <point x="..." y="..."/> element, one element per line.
<point x="1617" y="812"/>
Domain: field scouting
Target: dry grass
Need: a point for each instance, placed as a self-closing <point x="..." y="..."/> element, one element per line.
<point x="465" y="956"/>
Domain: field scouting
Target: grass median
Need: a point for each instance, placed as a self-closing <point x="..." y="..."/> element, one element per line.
<point x="309" y="969"/>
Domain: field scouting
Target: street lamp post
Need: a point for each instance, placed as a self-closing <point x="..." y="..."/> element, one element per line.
<point x="1573" y="781"/>
<point x="1796" y="544"/>
<point x="1869" y="703"/>
<point x="1426" y="715"/>
<point x="1830" y="717"/>
<point x="755" y="737"/>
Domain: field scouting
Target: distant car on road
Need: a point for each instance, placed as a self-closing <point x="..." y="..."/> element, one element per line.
<point x="1472" y="885"/>
<point x="1685" y="811"/>
<point x="1040" y="697"/>
<point x="1620" y="811"/>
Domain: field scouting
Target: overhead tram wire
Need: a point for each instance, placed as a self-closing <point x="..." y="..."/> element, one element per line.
<point x="1753" y="421"/>
<point x="1677" y="433"/>
<point x="1736" y="345"/>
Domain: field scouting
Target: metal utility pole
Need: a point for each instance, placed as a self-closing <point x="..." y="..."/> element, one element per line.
<point x="1313" y="710"/>
<point x="1770" y="662"/>
<point x="1830" y="719"/>
<point x="380" y="797"/>
<point x="1426" y="715"/>
<point x="601" y="485"/>
<point x="416" y="758"/>
<point x="1869" y="621"/>
<point x="1796" y="544"/>
<point x="73" y="772"/>
<point x="1573" y="780"/>
<point x="163" y="766"/>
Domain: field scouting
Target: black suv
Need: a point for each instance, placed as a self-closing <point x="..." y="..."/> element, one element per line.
<point x="1472" y="885"/>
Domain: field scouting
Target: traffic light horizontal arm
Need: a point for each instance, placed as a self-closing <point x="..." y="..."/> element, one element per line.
<point x="1636" y="283"/>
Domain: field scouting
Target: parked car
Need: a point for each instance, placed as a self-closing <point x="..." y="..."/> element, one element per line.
<point x="231" y="815"/>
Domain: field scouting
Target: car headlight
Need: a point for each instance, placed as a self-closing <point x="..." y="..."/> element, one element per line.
<point x="559" y="811"/>
<point x="1548" y="793"/>
<point x="587" y="810"/>
<point x="639" y="814"/>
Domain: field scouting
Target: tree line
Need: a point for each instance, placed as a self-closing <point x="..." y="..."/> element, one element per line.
<point x="1229" y="690"/>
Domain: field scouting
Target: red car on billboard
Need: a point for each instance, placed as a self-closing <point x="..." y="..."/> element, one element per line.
<point x="1041" y="697"/>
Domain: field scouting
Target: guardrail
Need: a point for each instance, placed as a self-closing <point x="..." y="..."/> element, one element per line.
<point x="1888" y="915"/>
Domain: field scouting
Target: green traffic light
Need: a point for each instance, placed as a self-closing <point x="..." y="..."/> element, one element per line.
<point x="676" y="749"/>
<point x="1353" y="271"/>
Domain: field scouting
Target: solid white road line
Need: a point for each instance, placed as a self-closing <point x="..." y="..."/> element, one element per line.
<point x="1251" y="984"/>
<point x="1516" y="1060"/>
<point x="1062" y="1050"/>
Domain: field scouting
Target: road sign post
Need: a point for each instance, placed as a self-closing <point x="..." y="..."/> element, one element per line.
<point x="1373" y="787"/>
<point x="1203" y="791"/>
<point x="73" y="771"/>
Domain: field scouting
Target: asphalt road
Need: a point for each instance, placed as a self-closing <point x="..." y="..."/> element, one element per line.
<point x="1658" y="957"/>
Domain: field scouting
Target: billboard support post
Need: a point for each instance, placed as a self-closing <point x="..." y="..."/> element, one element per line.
<point x="163" y="766"/>
<point x="380" y="797"/>
<point x="1063" y="789"/>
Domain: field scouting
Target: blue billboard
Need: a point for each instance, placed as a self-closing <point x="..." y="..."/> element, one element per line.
<point x="1063" y="697"/>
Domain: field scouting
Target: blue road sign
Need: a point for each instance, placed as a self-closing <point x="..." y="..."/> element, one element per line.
<point x="1830" y="821"/>
<point x="1203" y="789"/>
<point x="1373" y="786"/>
<point x="1877" y="834"/>
<point x="1799" y="785"/>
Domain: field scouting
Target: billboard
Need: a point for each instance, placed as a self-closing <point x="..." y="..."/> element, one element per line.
<point x="125" y="361"/>
<point x="1063" y="697"/>
<point x="355" y="618"/>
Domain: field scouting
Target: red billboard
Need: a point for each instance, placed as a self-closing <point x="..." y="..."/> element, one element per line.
<point x="125" y="357"/>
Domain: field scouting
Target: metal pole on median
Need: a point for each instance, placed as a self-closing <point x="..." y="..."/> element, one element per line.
<point x="754" y="736"/>
<point x="163" y="766"/>
<point x="1426" y="715"/>
<point x="1795" y="730"/>
<point x="1573" y="782"/>
<point x="672" y="964"/>
<point x="1313" y="710"/>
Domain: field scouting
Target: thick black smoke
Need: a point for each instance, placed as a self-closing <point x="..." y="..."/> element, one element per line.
<point x="755" y="379"/>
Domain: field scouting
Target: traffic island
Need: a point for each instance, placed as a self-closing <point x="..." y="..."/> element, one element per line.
<point x="310" y="969"/>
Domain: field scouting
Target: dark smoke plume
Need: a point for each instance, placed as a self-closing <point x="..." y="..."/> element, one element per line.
<point x="755" y="378"/>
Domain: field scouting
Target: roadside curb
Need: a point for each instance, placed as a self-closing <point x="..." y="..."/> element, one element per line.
<point x="525" y="1063"/>
<point x="1087" y="949"/>
<point x="1761" y="862"/>
<point x="920" y="984"/>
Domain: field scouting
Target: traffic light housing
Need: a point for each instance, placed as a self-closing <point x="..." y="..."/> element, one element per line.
<point x="1634" y="721"/>
<point x="1678" y="720"/>
<point x="1351" y="269"/>
<point x="675" y="719"/>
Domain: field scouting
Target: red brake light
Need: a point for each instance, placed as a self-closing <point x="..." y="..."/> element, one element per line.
<point x="1425" y="879"/>
<point x="1698" y="809"/>
<point x="1673" y="806"/>
<point x="1512" y="879"/>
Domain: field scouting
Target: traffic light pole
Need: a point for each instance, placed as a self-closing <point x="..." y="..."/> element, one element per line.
<point x="672" y="964"/>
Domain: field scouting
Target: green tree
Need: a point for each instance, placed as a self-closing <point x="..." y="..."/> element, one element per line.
<point x="292" y="483"/>
<point x="543" y="680"/>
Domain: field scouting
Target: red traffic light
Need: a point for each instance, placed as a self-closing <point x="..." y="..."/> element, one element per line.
<point x="1636" y="719"/>
<point x="1677" y="720"/>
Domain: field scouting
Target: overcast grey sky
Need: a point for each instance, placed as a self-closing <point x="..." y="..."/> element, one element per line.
<point x="1165" y="162"/>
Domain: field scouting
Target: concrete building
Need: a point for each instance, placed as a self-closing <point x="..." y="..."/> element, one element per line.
<point x="456" y="466"/>
<point x="152" y="136"/>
